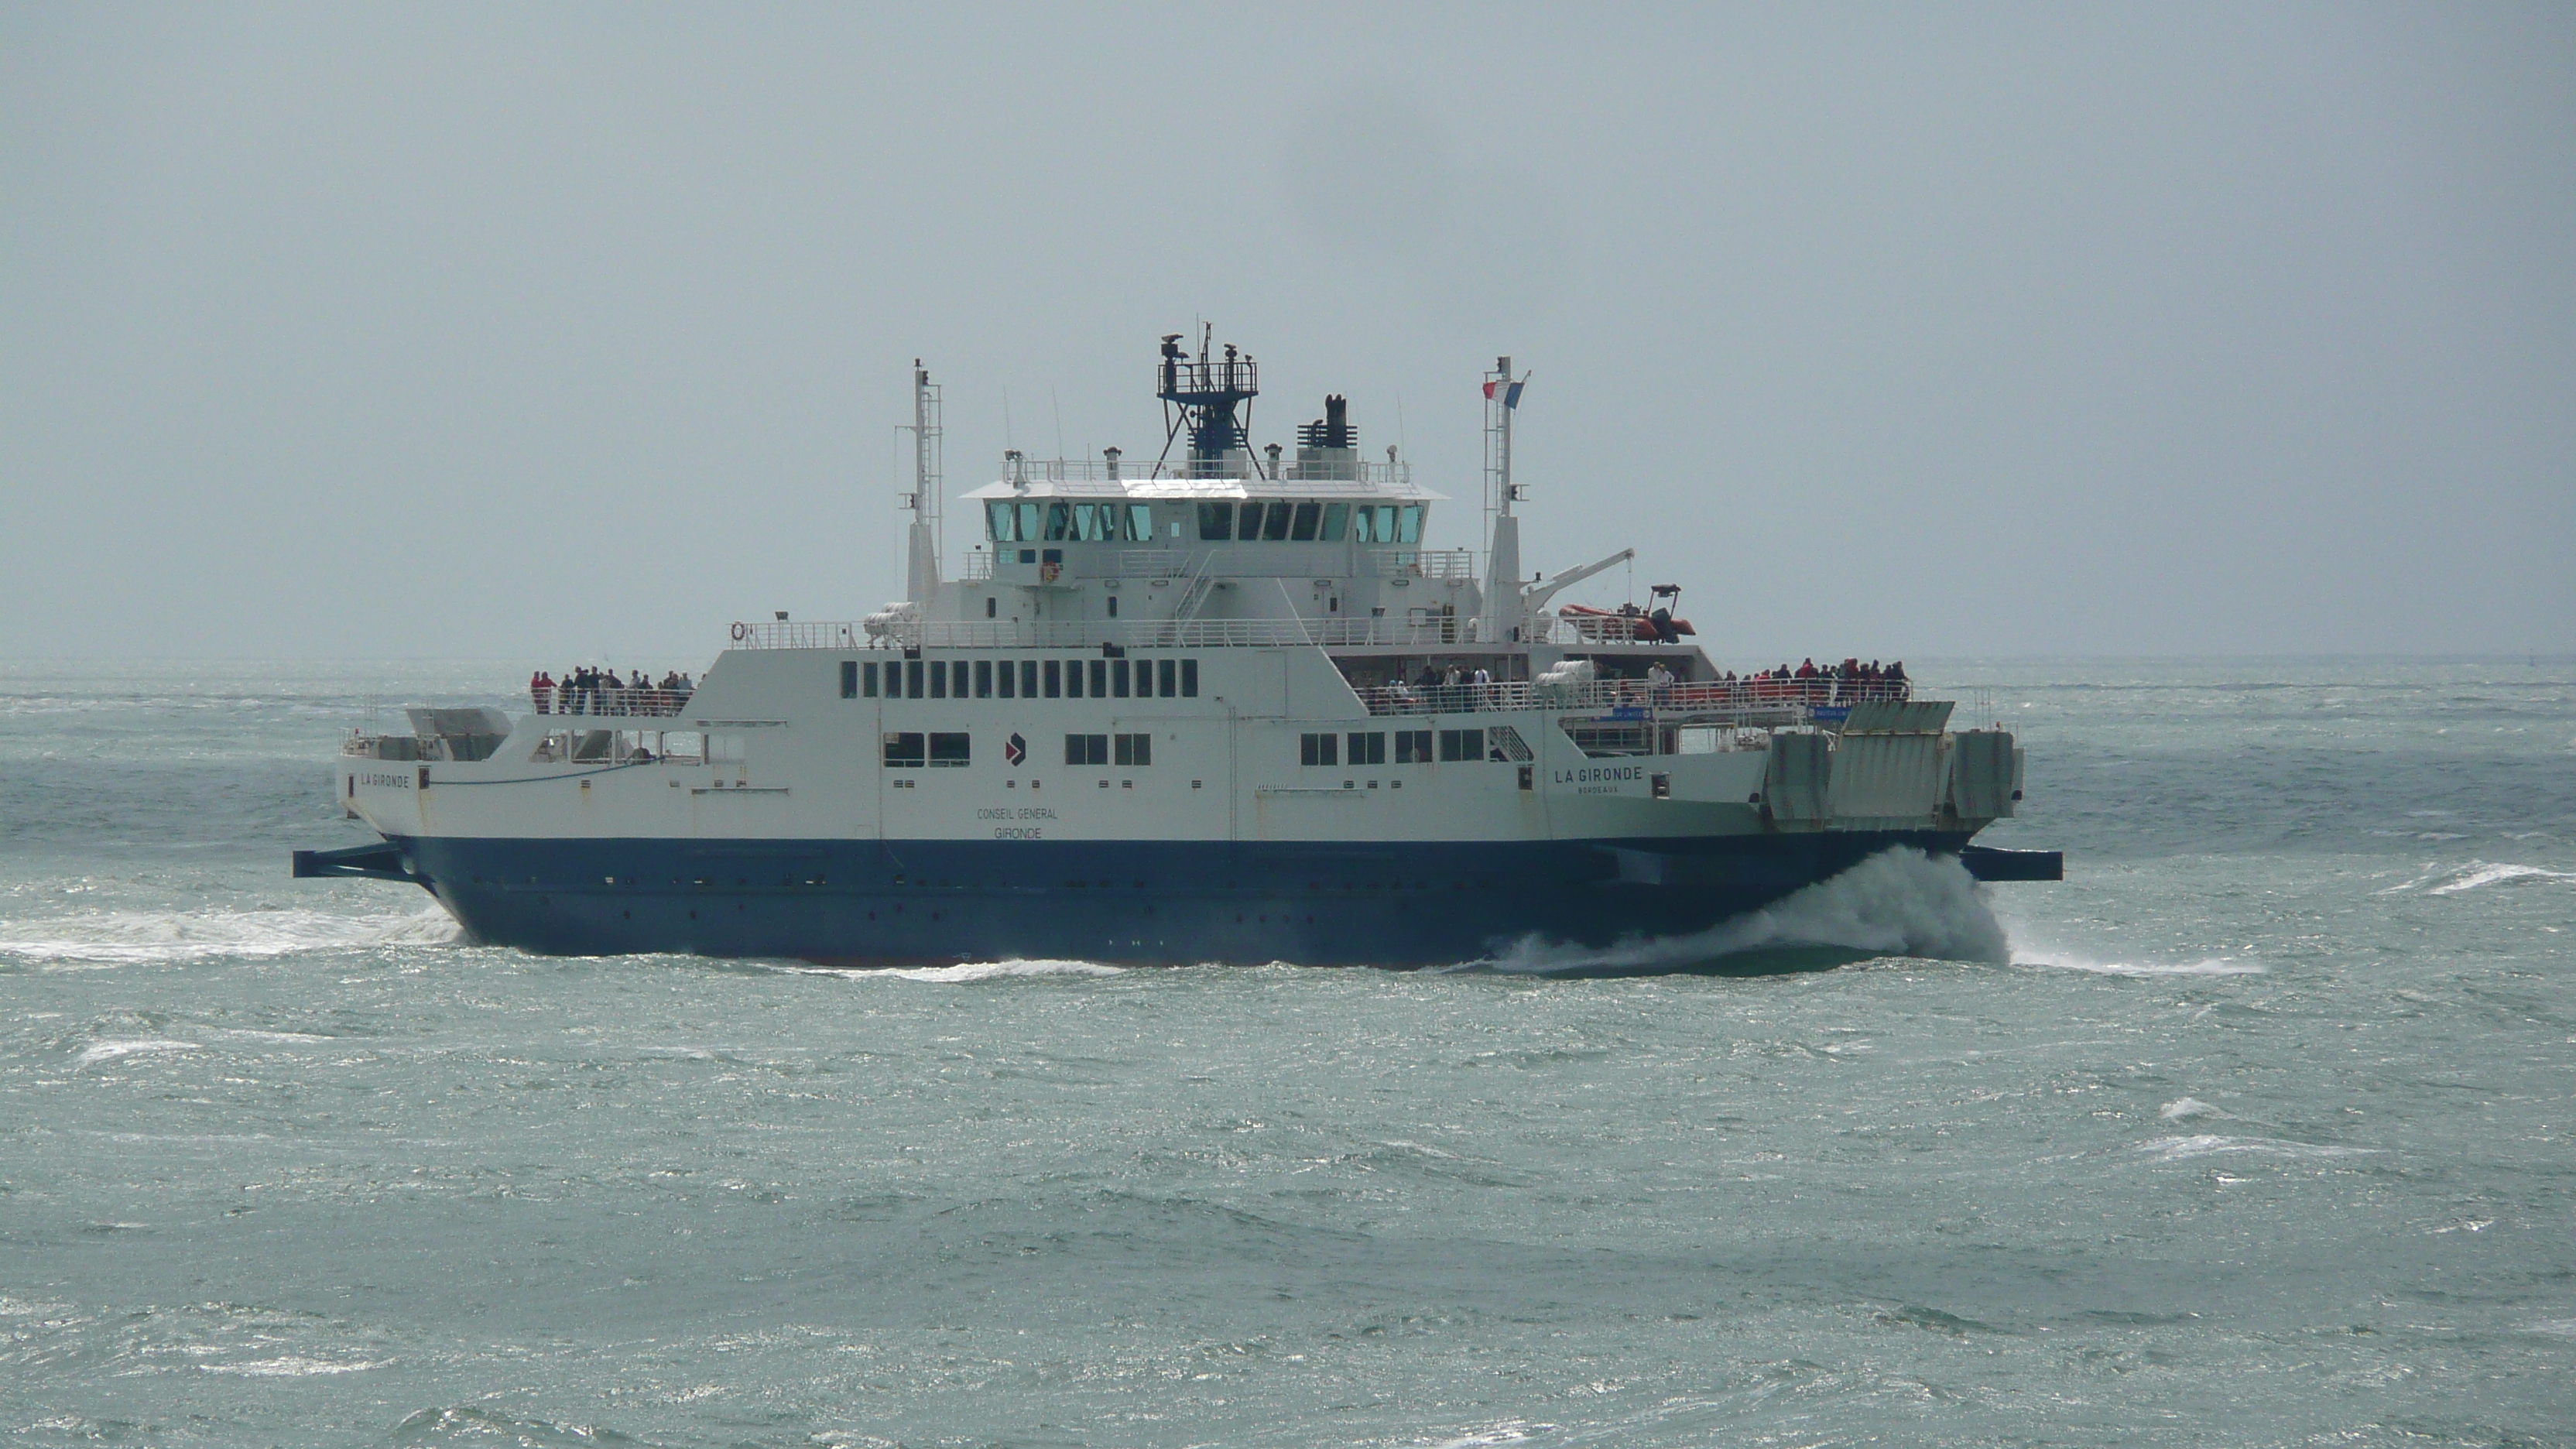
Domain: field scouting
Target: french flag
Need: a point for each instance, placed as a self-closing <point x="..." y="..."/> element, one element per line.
<point x="1511" y="391"/>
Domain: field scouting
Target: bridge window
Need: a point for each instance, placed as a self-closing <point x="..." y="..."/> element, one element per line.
<point x="1274" y="524"/>
<point x="1140" y="522"/>
<point x="1000" y="524"/>
<point x="1408" y="523"/>
<point x="1303" y="530"/>
<point x="1059" y="522"/>
<point x="950" y="751"/>
<point x="905" y="751"/>
<point x="1337" y="521"/>
<point x="1216" y="521"/>
<point x="1249" y="526"/>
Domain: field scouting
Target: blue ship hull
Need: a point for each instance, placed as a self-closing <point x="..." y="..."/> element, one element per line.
<point x="1128" y="902"/>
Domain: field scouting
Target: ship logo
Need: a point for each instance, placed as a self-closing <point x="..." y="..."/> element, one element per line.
<point x="1015" y="749"/>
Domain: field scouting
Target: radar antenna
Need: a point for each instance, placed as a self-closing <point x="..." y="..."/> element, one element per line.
<point x="1201" y="398"/>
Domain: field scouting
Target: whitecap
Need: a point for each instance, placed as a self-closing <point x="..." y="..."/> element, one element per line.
<point x="2212" y="966"/>
<point x="1899" y="902"/>
<point x="2184" y="1107"/>
<point x="2178" y="1149"/>
<point x="292" y="1366"/>
<point x="160" y="937"/>
<point x="999" y="970"/>
<point x="2480" y="873"/>
<point x="2554" y="1327"/>
<point x="108" y="1051"/>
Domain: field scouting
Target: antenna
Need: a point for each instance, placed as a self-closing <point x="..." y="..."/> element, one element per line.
<point x="921" y="566"/>
<point x="1503" y="604"/>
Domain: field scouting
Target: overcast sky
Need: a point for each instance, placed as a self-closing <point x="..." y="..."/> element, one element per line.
<point x="543" y="332"/>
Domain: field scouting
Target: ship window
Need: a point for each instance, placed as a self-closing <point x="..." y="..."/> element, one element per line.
<point x="1324" y="749"/>
<point x="1303" y="530"/>
<point x="868" y="679"/>
<point x="1216" y="521"/>
<point x="938" y="679"/>
<point x="951" y="751"/>
<point x="1462" y="745"/>
<point x="961" y="677"/>
<point x="1113" y="606"/>
<point x="1136" y="750"/>
<point x="1163" y="670"/>
<point x="1054" y="680"/>
<point x="1073" y="679"/>
<point x="905" y="751"/>
<point x="1413" y="747"/>
<point x="912" y="678"/>
<point x="1028" y="679"/>
<point x="1337" y="521"/>
<point x="1274" y="525"/>
<point x="1086" y="749"/>
<point x="992" y="606"/>
<point x="1250" y="525"/>
<point x="1408" y="523"/>
<point x="1140" y="522"/>
<point x="1059" y="522"/>
<point x="1008" y="676"/>
<point x="998" y="519"/>
<point x="1144" y="679"/>
<point x="984" y="678"/>
<point x="1118" y="678"/>
<point x="1368" y="749"/>
<point x="684" y="747"/>
<point x="1093" y="521"/>
<point x="849" y="679"/>
<point x="724" y="749"/>
<point x="1189" y="679"/>
<point x="1099" y="678"/>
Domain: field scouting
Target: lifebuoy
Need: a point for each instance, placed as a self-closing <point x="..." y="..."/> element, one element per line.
<point x="741" y="631"/>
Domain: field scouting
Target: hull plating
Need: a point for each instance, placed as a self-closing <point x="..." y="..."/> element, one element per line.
<point x="902" y="902"/>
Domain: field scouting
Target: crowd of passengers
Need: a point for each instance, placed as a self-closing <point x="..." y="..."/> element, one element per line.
<point x="603" y="692"/>
<point x="1850" y="682"/>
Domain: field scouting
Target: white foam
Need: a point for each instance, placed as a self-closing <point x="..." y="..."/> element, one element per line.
<point x="161" y="937"/>
<point x="2554" y="1327"/>
<point x="999" y="970"/>
<point x="290" y="1367"/>
<point x="2479" y="873"/>
<point x="2212" y="966"/>
<point x="2185" y="1107"/>
<point x="108" y="1051"/>
<point x="1897" y="903"/>
<point x="2179" y="1149"/>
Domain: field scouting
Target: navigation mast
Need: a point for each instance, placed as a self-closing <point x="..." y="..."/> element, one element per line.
<point x="1503" y="613"/>
<point x="921" y="562"/>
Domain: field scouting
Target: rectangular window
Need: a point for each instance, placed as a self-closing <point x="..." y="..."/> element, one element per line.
<point x="1249" y="525"/>
<point x="1099" y="678"/>
<point x="1408" y="525"/>
<point x="1337" y="521"/>
<point x="1029" y="679"/>
<point x="1009" y="679"/>
<point x="998" y="517"/>
<point x="1054" y="679"/>
<point x="938" y="679"/>
<point x="950" y="751"/>
<point x="1163" y="671"/>
<point x="1073" y="679"/>
<point x="1135" y="750"/>
<point x="1413" y="747"/>
<point x="1189" y="679"/>
<point x="1086" y="749"/>
<point x="983" y="679"/>
<point x="912" y="678"/>
<point x="1274" y="526"/>
<point x="1028" y="531"/>
<point x="1059" y="522"/>
<point x="1140" y="522"/>
<point x="1368" y="749"/>
<point x="1113" y="606"/>
<point x="1118" y="678"/>
<point x="849" y="679"/>
<point x="1303" y="530"/>
<point x="1319" y="749"/>
<point x="961" y="677"/>
<point x="1144" y="679"/>
<point x="1462" y="745"/>
<point x="905" y="751"/>
<point x="1216" y="521"/>
<point x="868" y="679"/>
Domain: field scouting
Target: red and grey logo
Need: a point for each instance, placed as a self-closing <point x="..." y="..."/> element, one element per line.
<point x="1015" y="749"/>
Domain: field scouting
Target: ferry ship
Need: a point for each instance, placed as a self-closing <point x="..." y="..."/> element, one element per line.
<point x="1223" y="706"/>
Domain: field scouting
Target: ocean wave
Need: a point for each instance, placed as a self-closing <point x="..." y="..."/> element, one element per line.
<point x="108" y="1051"/>
<point x="2210" y="966"/>
<point x="292" y="1366"/>
<point x="1001" y="970"/>
<point x="2480" y="873"/>
<point x="2180" y="1149"/>
<point x="2183" y="1107"/>
<point x="158" y="937"/>
<point x="1898" y="903"/>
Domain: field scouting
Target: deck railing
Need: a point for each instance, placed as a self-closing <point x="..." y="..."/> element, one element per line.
<point x="610" y="703"/>
<point x="1768" y="699"/>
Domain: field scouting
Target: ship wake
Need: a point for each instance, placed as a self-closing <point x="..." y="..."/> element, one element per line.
<point x="1900" y="902"/>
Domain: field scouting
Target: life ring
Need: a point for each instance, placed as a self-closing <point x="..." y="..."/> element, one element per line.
<point x="741" y="631"/>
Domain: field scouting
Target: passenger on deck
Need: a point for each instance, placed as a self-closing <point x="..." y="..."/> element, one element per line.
<point x="542" y="690"/>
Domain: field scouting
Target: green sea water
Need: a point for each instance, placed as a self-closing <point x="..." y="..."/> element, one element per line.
<point x="2255" y="1130"/>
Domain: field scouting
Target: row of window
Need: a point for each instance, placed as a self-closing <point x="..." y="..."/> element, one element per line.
<point x="1032" y="522"/>
<point x="914" y="750"/>
<point x="1412" y="747"/>
<point x="1020" y="679"/>
<point x="1289" y="522"/>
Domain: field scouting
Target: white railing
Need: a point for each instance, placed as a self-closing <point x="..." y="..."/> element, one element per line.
<point x="979" y="566"/>
<point x="1356" y="476"/>
<point x="1739" y="699"/>
<point x="1092" y="633"/>
<point x="610" y="703"/>
<point x="1428" y="563"/>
